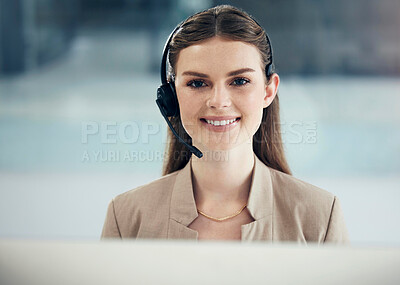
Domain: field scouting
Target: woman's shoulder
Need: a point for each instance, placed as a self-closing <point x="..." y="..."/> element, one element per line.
<point x="148" y="194"/>
<point x="296" y="190"/>
<point x="314" y="211"/>
<point x="140" y="212"/>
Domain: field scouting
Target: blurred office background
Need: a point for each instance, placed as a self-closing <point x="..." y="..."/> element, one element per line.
<point x="78" y="122"/>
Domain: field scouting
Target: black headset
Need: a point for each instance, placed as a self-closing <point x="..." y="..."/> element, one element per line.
<point x="167" y="100"/>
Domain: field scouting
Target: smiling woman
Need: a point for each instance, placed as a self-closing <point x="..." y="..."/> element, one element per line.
<point x="221" y="97"/>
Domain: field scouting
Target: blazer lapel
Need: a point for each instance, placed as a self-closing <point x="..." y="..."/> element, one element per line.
<point x="260" y="204"/>
<point x="183" y="209"/>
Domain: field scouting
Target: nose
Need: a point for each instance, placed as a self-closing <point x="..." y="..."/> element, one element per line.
<point x="219" y="98"/>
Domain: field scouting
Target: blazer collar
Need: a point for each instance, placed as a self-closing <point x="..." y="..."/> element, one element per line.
<point x="260" y="204"/>
<point x="183" y="206"/>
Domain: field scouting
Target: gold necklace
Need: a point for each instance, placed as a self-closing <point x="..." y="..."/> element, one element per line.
<point x="224" y="218"/>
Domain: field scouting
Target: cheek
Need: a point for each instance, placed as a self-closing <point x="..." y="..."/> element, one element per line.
<point x="188" y="106"/>
<point x="189" y="109"/>
<point x="253" y="105"/>
<point x="253" y="110"/>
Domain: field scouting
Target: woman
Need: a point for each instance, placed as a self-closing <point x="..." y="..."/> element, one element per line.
<point x="241" y="189"/>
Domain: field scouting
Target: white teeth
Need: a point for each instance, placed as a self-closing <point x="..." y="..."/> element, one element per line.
<point x="220" y="123"/>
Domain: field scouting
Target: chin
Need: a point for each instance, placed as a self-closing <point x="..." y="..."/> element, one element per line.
<point x="223" y="147"/>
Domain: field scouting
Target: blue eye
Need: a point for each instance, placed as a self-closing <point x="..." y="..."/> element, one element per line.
<point x="240" y="81"/>
<point x="196" y="83"/>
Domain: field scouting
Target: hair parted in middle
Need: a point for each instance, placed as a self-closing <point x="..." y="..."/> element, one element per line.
<point x="231" y="23"/>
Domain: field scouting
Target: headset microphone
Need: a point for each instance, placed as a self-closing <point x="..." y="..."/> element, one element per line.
<point x="167" y="101"/>
<point x="193" y="149"/>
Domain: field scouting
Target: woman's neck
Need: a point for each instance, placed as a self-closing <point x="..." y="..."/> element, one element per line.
<point x="222" y="178"/>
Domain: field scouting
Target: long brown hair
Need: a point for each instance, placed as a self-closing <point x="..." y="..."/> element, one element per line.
<point x="231" y="23"/>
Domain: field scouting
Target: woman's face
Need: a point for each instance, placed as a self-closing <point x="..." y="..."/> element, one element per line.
<point x="221" y="89"/>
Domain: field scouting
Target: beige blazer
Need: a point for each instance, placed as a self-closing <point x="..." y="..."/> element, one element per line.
<point x="283" y="207"/>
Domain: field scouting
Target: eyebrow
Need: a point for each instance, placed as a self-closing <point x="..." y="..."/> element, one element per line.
<point x="240" y="71"/>
<point x="232" y="73"/>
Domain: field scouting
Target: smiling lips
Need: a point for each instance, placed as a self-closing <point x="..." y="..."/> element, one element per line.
<point x="220" y="124"/>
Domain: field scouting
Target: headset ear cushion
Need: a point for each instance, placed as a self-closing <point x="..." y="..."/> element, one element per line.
<point x="166" y="95"/>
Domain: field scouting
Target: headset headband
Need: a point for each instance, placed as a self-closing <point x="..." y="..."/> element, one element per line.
<point x="165" y="54"/>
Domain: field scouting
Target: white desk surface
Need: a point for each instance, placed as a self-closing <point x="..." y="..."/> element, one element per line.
<point x="183" y="262"/>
